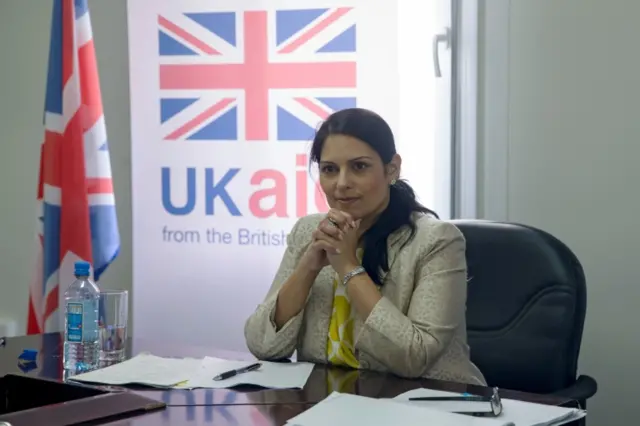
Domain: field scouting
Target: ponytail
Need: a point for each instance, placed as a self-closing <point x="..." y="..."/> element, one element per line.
<point x="399" y="211"/>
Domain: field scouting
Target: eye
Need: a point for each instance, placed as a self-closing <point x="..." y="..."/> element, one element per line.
<point x="328" y="168"/>
<point x="359" y="165"/>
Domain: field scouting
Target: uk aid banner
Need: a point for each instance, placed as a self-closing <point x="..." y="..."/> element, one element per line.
<point x="225" y="100"/>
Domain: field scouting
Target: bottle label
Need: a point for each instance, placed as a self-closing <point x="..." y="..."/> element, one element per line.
<point x="82" y="321"/>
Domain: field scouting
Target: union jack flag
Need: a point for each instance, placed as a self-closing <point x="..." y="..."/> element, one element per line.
<point x="76" y="206"/>
<point x="254" y="75"/>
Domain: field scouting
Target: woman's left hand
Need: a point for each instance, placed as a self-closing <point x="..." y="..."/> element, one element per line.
<point x="345" y="259"/>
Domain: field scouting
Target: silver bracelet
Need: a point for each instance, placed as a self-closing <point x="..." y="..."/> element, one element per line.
<point x="359" y="270"/>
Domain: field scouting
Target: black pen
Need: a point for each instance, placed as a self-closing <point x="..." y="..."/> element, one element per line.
<point x="232" y="373"/>
<point x="452" y="398"/>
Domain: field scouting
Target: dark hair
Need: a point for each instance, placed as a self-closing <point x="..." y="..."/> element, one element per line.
<point x="370" y="128"/>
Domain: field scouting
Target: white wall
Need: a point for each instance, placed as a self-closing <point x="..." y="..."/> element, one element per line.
<point x="571" y="137"/>
<point x="563" y="73"/>
<point x="22" y="86"/>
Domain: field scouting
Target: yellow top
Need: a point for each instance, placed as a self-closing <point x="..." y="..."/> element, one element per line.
<point x="340" y="342"/>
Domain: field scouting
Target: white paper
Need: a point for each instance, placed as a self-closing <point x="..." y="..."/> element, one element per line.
<point x="144" y="369"/>
<point x="273" y="375"/>
<point x="190" y="373"/>
<point x="348" y="410"/>
<point x="518" y="412"/>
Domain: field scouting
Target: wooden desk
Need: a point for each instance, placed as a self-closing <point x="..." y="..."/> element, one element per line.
<point x="243" y="406"/>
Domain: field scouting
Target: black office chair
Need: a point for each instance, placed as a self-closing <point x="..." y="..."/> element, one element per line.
<point x="525" y="309"/>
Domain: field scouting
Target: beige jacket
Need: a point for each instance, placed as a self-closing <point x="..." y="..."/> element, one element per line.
<point x="417" y="329"/>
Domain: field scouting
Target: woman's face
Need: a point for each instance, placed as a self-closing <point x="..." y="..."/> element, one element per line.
<point x="353" y="177"/>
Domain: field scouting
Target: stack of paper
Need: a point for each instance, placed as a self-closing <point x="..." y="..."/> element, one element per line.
<point x="189" y="373"/>
<point x="144" y="369"/>
<point x="519" y="413"/>
<point x="273" y="375"/>
<point x="348" y="410"/>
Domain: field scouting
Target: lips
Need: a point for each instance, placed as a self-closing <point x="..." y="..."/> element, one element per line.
<point x="346" y="200"/>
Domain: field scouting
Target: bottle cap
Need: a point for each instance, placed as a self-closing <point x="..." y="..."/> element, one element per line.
<point x="82" y="268"/>
<point x="28" y="355"/>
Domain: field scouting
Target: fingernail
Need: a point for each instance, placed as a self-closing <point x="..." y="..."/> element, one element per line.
<point x="338" y="251"/>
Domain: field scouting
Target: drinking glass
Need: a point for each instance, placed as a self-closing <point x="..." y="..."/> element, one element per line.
<point x="113" y="315"/>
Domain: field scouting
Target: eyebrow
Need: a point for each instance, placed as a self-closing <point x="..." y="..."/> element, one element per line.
<point x="363" y="157"/>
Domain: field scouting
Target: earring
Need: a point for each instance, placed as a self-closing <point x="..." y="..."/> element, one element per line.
<point x="393" y="182"/>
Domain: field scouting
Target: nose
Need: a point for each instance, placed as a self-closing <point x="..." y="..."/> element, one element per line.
<point x="344" y="179"/>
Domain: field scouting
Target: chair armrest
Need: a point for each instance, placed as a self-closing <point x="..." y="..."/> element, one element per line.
<point x="581" y="390"/>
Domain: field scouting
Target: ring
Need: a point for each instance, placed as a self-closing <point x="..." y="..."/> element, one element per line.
<point x="332" y="222"/>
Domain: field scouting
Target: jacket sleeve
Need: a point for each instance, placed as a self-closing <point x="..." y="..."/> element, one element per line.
<point x="263" y="339"/>
<point x="410" y="344"/>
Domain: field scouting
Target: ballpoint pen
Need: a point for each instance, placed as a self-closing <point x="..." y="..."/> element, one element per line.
<point x="229" y="374"/>
<point x="494" y="401"/>
<point x="452" y="398"/>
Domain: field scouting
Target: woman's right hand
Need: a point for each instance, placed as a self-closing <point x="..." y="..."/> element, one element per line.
<point x="333" y="225"/>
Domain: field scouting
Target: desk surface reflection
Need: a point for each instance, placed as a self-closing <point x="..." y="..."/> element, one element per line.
<point x="239" y="406"/>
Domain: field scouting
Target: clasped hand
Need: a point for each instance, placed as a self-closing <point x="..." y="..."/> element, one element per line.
<point x="335" y="242"/>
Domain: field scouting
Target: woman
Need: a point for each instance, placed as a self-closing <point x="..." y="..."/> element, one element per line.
<point x="376" y="283"/>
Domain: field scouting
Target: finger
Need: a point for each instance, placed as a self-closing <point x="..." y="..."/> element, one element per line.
<point x="328" y="224"/>
<point x="328" y="239"/>
<point x="319" y="234"/>
<point x="332" y="230"/>
<point x="331" y="222"/>
<point x="341" y="218"/>
<point x="325" y="237"/>
<point x="326" y="246"/>
<point x="316" y="234"/>
<point x="348" y="219"/>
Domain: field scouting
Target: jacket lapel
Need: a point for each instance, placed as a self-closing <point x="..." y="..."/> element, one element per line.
<point x="394" y="243"/>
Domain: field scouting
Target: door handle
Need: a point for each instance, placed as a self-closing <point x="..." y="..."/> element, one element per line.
<point x="444" y="37"/>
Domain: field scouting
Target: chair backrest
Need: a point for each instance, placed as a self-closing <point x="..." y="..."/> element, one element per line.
<point x="525" y="307"/>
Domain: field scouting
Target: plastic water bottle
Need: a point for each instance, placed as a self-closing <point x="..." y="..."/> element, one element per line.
<point x="81" y="341"/>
